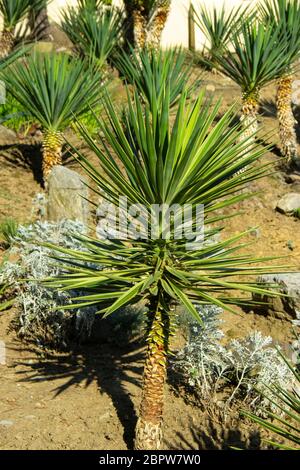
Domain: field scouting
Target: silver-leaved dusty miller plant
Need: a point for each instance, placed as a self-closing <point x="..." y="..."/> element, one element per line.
<point x="241" y="369"/>
<point x="39" y="316"/>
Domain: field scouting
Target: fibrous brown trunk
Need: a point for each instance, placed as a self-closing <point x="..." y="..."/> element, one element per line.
<point x="249" y="116"/>
<point x="286" y="119"/>
<point x="149" y="426"/>
<point x="52" y="151"/>
<point x="139" y="28"/>
<point x="157" y="26"/>
<point x="6" y="42"/>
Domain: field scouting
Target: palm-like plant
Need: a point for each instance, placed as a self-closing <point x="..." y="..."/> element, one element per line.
<point x="260" y="55"/>
<point x="94" y="34"/>
<point x="192" y="161"/>
<point x="52" y="90"/>
<point x="285" y="424"/>
<point x="152" y="71"/>
<point x="217" y="25"/>
<point x="285" y="15"/>
<point x="148" y="19"/>
<point x="12" y="11"/>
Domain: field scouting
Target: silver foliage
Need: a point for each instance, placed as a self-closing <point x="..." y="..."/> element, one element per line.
<point x="240" y="370"/>
<point x="39" y="316"/>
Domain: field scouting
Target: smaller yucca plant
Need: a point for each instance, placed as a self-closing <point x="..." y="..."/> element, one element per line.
<point x="94" y="34"/>
<point x="285" y="15"/>
<point x="12" y="12"/>
<point x="217" y="25"/>
<point x="52" y="89"/>
<point x="260" y="55"/>
<point x="152" y="71"/>
<point x="285" y="424"/>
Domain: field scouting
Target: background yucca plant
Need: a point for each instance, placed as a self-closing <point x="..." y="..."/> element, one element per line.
<point x="52" y="89"/>
<point x="285" y="424"/>
<point x="95" y="35"/>
<point x="260" y="55"/>
<point x="192" y="161"/>
<point x="218" y="24"/>
<point x="147" y="18"/>
<point x="12" y="12"/>
<point x="285" y="15"/>
<point x="151" y="72"/>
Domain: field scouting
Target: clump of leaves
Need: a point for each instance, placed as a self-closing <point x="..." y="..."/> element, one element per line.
<point x="297" y="213"/>
<point x="242" y="369"/>
<point x="287" y="403"/>
<point x="8" y="231"/>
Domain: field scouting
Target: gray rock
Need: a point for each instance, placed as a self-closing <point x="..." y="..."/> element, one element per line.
<point x="7" y="136"/>
<point x="281" y="307"/>
<point x="289" y="203"/>
<point x="6" y="422"/>
<point x="66" y="193"/>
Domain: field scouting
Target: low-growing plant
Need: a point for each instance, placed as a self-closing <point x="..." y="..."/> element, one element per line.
<point x="13" y="115"/>
<point x="39" y="318"/>
<point x="8" y="231"/>
<point x="286" y="402"/>
<point x="243" y="369"/>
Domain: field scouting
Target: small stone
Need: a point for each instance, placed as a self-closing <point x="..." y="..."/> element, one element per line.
<point x="6" y="422"/>
<point x="288" y="203"/>
<point x="210" y="87"/>
<point x="7" y="136"/>
<point x="39" y="405"/>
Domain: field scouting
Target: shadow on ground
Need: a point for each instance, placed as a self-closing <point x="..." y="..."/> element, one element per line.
<point x="112" y="367"/>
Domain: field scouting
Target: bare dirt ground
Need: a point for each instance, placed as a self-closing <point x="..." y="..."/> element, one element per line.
<point x="88" y="399"/>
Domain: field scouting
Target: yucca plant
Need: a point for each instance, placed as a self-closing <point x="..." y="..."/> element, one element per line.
<point x="52" y="89"/>
<point x="218" y="24"/>
<point x="162" y="163"/>
<point x="148" y="19"/>
<point x="12" y="11"/>
<point x="260" y="55"/>
<point x="285" y="15"/>
<point x="152" y="71"/>
<point x="95" y="34"/>
<point x="286" y="423"/>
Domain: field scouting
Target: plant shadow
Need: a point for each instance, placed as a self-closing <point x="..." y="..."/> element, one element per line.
<point x="216" y="436"/>
<point x="112" y="366"/>
<point x="25" y="156"/>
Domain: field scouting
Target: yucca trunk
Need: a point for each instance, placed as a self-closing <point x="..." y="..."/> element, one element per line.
<point x="149" y="426"/>
<point x="250" y="106"/>
<point x="52" y="151"/>
<point x="286" y="118"/>
<point x="6" y="42"/>
<point x="139" y="28"/>
<point x="156" y="29"/>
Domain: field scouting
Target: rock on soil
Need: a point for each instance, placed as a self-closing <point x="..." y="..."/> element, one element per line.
<point x="67" y="196"/>
<point x="288" y="203"/>
<point x="281" y="307"/>
<point x="7" y="136"/>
